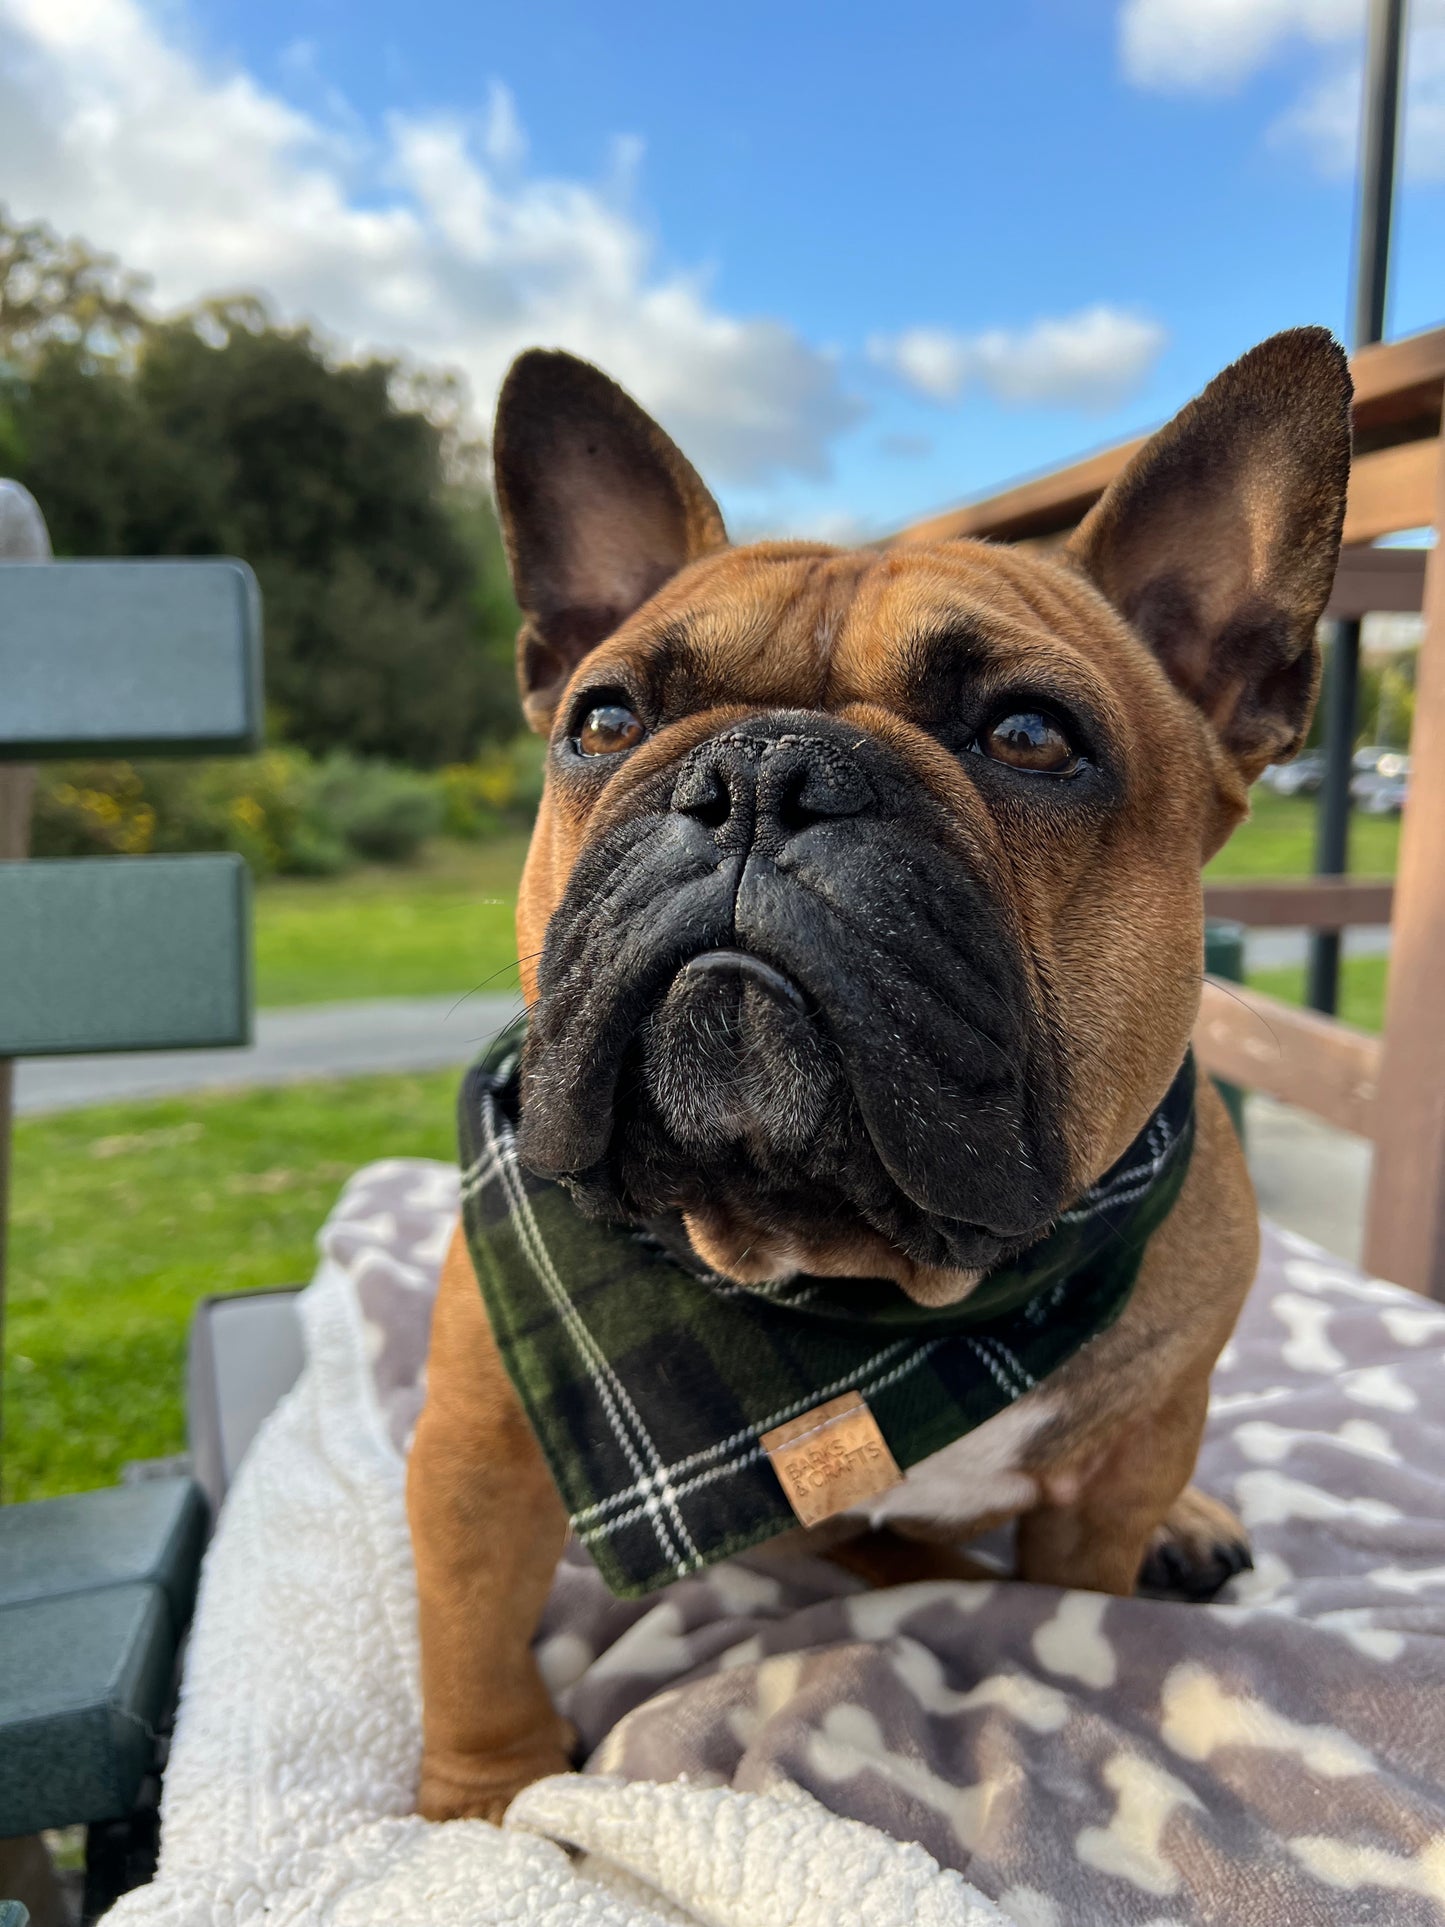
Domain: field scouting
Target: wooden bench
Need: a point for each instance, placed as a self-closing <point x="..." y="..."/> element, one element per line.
<point x="111" y="954"/>
<point x="1391" y="1090"/>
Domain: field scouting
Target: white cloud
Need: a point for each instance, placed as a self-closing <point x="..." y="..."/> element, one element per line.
<point x="837" y="526"/>
<point x="1325" y="119"/>
<point x="504" y="141"/>
<point x="1214" y="46"/>
<point x="1092" y="359"/>
<point x="430" y="240"/>
<point x="1195" y="45"/>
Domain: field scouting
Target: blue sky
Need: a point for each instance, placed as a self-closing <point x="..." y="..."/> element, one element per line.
<point x="863" y="261"/>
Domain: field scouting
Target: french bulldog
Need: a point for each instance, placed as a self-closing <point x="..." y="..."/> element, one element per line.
<point x="860" y="934"/>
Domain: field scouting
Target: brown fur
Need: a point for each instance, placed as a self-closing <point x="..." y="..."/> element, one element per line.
<point x="487" y="1529"/>
<point x="1219" y="544"/>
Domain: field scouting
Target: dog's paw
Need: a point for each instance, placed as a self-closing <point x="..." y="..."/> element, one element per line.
<point x="1198" y="1549"/>
<point x="482" y="1788"/>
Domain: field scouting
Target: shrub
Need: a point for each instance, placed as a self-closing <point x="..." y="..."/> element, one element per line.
<point x="286" y="814"/>
<point x="263" y="807"/>
<point x="502" y="783"/>
<point x="383" y="813"/>
<point x="467" y="808"/>
<point x="129" y="809"/>
<point x="92" y="809"/>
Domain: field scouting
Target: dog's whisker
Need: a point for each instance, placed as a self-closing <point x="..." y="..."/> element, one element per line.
<point x="477" y="989"/>
<point x="1244" y="1004"/>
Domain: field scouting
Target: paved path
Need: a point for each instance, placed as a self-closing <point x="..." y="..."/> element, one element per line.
<point x="1308" y="1176"/>
<point x="1272" y="949"/>
<point x="319" y="1040"/>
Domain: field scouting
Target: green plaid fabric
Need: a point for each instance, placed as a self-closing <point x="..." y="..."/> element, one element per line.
<point x="649" y="1381"/>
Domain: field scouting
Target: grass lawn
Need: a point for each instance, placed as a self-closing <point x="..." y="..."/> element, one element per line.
<point x="443" y="925"/>
<point x="125" y="1215"/>
<point x="1279" y="841"/>
<point x="1362" y="989"/>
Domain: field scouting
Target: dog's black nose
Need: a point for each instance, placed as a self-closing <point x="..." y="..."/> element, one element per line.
<point x="764" y="786"/>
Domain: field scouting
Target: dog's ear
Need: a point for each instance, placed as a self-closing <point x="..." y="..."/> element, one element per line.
<point x="598" y="508"/>
<point x="1219" y="541"/>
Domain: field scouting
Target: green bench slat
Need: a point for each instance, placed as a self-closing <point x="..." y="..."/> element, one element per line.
<point x="83" y="1681"/>
<point x="152" y="1532"/>
<point x="124" y="953"/>
<point x="129" y="658"/>
<point x="96" y="1590"/>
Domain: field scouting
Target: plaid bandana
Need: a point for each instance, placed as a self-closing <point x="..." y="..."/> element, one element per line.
<point x="649" y="1381"/>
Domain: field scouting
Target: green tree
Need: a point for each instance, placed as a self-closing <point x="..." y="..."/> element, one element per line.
<point x="388" y="621"/>
<point x="52" y="290"/>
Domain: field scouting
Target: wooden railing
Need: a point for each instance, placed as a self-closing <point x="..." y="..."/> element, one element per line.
<point x="1390" y="1089"/>
<point x="1302" y="903"/>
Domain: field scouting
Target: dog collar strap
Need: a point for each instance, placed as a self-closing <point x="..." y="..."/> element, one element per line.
<point x="650" y="1383"/>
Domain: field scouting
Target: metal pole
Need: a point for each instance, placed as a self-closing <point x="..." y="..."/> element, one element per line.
<point x="1379" y="143"/>
<point x="1332" y="820"/>
<point x="1379" y="130"/>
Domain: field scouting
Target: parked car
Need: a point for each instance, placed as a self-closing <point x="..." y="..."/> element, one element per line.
<point x="1302" y="777"/>
<point x="1367" y="759"/>
<point x="1381" y="787"/>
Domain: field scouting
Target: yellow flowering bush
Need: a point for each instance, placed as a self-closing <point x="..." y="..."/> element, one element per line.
<point x="284" y="811"/>
<point x="104" y="810"/>
<point x="262" y="806"/>
<point x="504" y="780"/>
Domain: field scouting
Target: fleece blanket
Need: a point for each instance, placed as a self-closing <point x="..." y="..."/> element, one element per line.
<point x="765" y="1742"/>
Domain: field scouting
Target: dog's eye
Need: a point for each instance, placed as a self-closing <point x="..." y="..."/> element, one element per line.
<point x="1030" y="739"/>
<point x="608" y="730"/>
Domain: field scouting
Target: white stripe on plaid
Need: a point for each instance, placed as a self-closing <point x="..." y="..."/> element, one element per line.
<point x="653" y="1488"/>
<point x="1125" y="1186"/>
<point x="1006" y="1384"/>
<point x="1023" y="1378"/>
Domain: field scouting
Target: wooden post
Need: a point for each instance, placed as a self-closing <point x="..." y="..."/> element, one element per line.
<point x="1405" y="1216"/>
<point x="23" y="538"/>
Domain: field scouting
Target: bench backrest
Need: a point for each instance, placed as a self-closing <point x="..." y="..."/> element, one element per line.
<point x="117" y="659"/>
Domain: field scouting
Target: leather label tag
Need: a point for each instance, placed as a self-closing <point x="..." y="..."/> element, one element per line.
<point x="831" y="1458"/>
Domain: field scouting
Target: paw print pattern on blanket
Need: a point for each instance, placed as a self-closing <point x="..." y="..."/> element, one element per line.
<point x="1278" y="1757"/>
